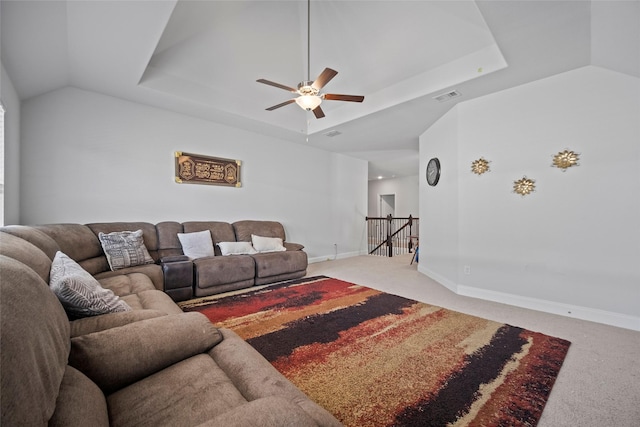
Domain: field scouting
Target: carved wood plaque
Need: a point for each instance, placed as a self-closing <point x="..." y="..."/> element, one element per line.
<point x="197" y="169"/>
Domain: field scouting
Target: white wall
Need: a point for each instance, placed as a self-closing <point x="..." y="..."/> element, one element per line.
<point x="89" y="158"/>
<point x="11" y="102"/>
<point x="405" y="190"/>
<point x="439" y="246"/>
<point x="572" y="247"/>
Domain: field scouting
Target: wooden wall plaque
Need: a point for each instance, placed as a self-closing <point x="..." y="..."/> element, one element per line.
<point x="197" y="169"/>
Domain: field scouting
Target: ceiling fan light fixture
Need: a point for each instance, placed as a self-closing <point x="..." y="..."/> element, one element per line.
<point x="309" y="102"/>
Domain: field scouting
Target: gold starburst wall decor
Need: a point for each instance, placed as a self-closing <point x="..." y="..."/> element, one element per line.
<point x="524" y="186"/>
<point x="565" y="159"/>
<point x="480" y="166"/>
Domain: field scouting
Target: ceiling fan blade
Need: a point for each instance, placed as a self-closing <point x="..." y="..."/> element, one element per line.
<point x="278" y="85"/>
<point x="281" y="104"/>
<point x="350" y="98"/>
<point x="324" y="78"/>
<point x="318" y="112"/>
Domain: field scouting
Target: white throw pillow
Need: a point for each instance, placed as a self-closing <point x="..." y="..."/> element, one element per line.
<point x="267" y="244"/>
<point x="236" y="248"/>
<point x="197" y="245"/>
<point x="79" y="292"/>
<point x="124" y="249"/>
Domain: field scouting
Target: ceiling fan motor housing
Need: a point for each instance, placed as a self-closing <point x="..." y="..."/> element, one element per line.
<point x="306" y="88"/>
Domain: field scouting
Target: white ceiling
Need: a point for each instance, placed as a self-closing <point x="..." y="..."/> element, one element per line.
<point x="203" y="58"/>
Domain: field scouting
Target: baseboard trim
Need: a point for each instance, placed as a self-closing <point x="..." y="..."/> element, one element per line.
<point x="452" y="286"/>
<point x="553" y="307"/>
<point x="334" y="257"/>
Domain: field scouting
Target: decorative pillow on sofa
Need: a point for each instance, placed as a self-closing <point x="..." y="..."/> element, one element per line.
<point x="236" y="248"/>
<point x="267" y="244"/>
<point x="124" y="249"/>
<point x="197" y="245"/>
<point x="79" y="292"/>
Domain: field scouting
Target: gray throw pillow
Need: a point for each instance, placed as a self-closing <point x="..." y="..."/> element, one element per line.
<point x="124" y="249"/>
<point x="79" y="292"/>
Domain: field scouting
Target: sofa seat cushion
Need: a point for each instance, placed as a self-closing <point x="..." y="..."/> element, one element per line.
<point x="196" y="387"/>
<point x="127" y="284"/>
<point x="215" y="271"/>
<point x="278" y="263"/>
<point x="152" y="300"/>
<point x="152" y="271"/>
<point x="80" y="402"/>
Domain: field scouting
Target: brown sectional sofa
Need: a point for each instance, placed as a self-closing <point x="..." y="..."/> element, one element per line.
<point x="173" y="273"/>
<point x="154" y="365"/>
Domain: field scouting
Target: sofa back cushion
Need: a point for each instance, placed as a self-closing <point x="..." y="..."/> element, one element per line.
<point x="244" y="230"/>
<point x="168" y="243"/>
<point x="35" y="346"/>
<point x="149" y="234"/>
<point x="80" y="243"/>
<point x="43" y="241"/>
<point x="220" y="231"/>
<point x="27" y="253"/>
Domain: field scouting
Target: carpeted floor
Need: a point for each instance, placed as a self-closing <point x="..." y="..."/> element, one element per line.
<point x="375" y="359"/>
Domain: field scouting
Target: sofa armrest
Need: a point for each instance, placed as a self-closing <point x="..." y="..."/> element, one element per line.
<point x="120" y="356"/>
<point x="293" y="246"/>
<point x="89" y="325"/>
<point x="177" y="271"/>
<point x="174" y="258"/>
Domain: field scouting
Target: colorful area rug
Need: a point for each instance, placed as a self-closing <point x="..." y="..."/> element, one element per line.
<point x="375" y="359"/>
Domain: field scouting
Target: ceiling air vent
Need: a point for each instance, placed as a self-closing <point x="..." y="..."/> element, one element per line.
<point x="447" y="96"/>
<point x="332" y="133"/>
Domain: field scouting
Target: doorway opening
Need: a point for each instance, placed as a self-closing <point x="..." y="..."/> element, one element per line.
<point x="387" y="205"/>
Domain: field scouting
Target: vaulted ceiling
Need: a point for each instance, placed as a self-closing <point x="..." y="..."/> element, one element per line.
<point x="203" y="58"/>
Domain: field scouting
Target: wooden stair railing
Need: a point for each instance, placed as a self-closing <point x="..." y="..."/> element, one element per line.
<point x="396" y="233"/>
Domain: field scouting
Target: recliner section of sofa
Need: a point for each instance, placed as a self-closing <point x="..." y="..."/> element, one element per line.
<point x="274" y="266"/>
<point x="164" y="368"/>
<point x="154" y="365"/>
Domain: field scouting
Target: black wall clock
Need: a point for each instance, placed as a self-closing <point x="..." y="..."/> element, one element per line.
<point x="433" y="171"/>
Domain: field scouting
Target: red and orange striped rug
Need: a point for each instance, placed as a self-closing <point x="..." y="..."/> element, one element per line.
<point x="375" y="359"/>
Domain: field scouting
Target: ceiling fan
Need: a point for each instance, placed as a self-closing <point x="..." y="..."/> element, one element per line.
<point x="309" y="96"/>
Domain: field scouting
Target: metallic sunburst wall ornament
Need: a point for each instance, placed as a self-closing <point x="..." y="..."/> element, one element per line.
<point x="524" y="186"/>
<point x="480" y="166"/>
<point x="565" y="159"/>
